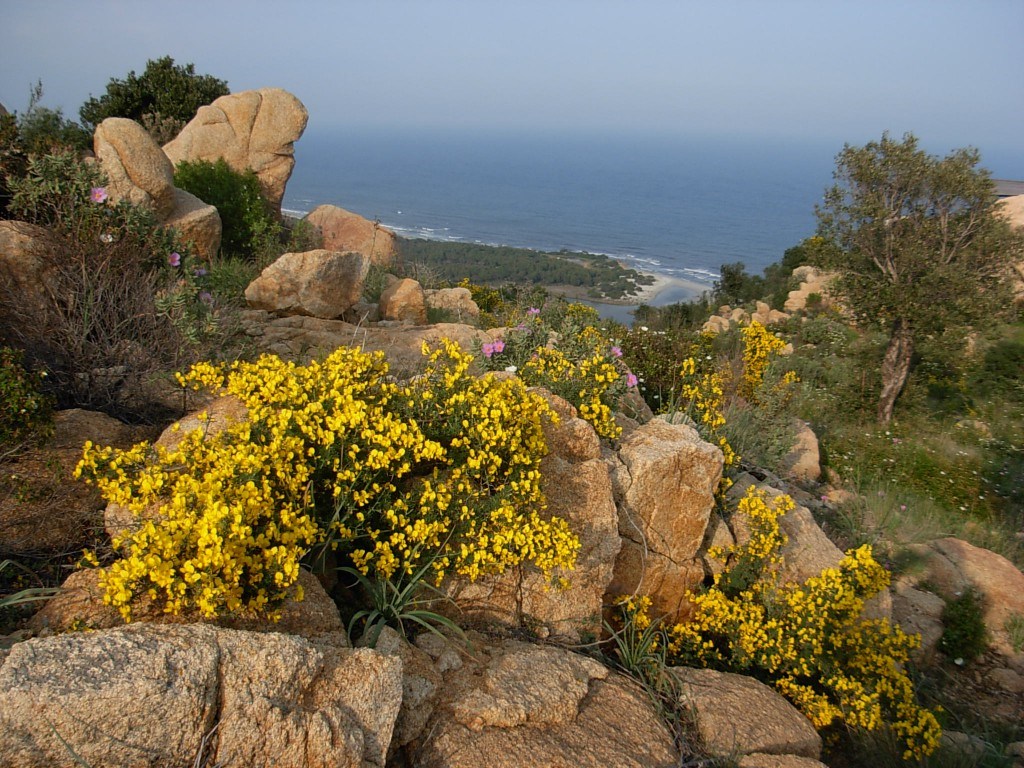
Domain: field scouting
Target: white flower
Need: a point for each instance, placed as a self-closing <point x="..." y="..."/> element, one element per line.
<point x="106" y="237"/>
<point x="511" y="369"/>
<point x="644" y="328"/>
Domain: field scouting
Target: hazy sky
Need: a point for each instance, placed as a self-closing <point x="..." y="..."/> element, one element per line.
<point x="843" y="70"/>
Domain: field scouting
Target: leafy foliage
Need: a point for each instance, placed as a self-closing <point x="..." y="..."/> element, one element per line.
<point x="163" y="90"/>
<point x="918" y="246"/>
<point x="964" y="635"/>
<point x="443" y="471"/>
<point x="248" y="227"/>
<point x="25" y="412"/>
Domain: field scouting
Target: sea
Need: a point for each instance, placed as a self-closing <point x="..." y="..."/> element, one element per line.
<point x="675" y="206"/>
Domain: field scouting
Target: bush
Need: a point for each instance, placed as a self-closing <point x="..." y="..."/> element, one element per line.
<point x="113" y="305"/>
<point x="164" y="90"/>
<point x="25" y="412"/>
<point x="808" y="640"/>
<point x="964" y="637"/>
<point x="441" y="474"/>
<point x="249" y="229"/>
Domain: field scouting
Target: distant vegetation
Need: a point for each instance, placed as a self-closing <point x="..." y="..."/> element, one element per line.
<point x="600" y="276"/>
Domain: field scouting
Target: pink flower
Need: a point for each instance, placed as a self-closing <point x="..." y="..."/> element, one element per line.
<point x="903" y="507"/>
<point x="98" y="194"/>
<point x="533" y="311"/>
<point x="499" y="346"/>
<point x="174" y="259"/>
<point x="616" y="352"/>
<point x="630" y="380"/>
<point x="487" y="349"/>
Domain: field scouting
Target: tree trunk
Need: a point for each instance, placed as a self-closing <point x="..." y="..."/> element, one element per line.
<point x="895" y="368"/>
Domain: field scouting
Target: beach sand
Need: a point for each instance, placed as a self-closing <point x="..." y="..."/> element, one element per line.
<point x="666" y="290"/>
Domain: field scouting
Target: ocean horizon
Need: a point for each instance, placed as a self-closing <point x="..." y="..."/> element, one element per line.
<point x="679" y="207"/>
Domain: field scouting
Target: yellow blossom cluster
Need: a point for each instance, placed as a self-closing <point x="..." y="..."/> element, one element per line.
<point x="809" y="640"/>
<point x="759" y="345"/>
<point x="590" y="382"/>
<point x="443" y="470"/>
<point x="702" y="387"/>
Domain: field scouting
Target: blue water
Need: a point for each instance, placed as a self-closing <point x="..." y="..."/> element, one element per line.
<point x="679" y="207"/>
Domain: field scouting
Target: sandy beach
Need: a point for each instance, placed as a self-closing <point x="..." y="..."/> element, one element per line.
<point x="666" y="290"/>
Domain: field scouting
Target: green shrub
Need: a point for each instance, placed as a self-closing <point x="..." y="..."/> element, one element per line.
<point x="964" y="636"/>
<point x="163" y="90"/>
<point x="25" y="412"/>
<point x="1001" y="370"/>
<point x="248" y="228"/>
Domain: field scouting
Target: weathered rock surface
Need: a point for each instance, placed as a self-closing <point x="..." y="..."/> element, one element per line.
<point x="579" y="490"/>
<point x="456" y="301"/>
<point x="23" y="260"/>
<point x="254" y="130"/>
<point x="812" y="281"/>
<point x="316" y="283"/>
<point x="772" y="725"/>
<point x="664" y="478"/>
<point x="954" y="565"/>
<point x="404" y="300"/>
<point x="345" y="231"/>
<point x="147" y="695"/>
<point x="918" y="612"/>
<point x="803" y="462"/>
<point x="1012" y="209"/>
<point x="526" y="706"/>
<point x="80" y="604"/>
<point x="761" y="760"/>
<point x="137" y="170"/>
<point x="198" y="225"/>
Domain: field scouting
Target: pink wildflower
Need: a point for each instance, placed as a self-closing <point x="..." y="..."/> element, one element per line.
<point x="631" y="380"/>
<point x="616" y="352"/>
<point x="533" y="311"/>
<point x="98" y="194"/>
<point x="499" y="346"/>
<point x="487" y="349"/>
<point x="174" y="259"/>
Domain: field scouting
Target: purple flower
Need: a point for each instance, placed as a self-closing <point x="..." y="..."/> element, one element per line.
<point x="499" y="346"/>
<point x="206" y="298"/>
<point x="630" y="380"/>
<point x="533" y="311"/>
<point x="521" y="327"/>
<point x="199" y="272"/>
<point x="98" y="194"/>
<point x="616" y="352"/>
<point x="487" y="349"/>
<point x="174" y="259"/>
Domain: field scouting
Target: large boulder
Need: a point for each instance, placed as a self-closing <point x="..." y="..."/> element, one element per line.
<point x="404" y="300"/>
<point x="136" y="168"/>
<point x="771" y="725"/>
<point x="579" y="490"/>
<point x="1012" y="209"/>
<point x="198" y="225"/>
<point x="953" y="566"/>
<point x="24" y="255"/>
<point x="343" y="230"/>
<point x="251" y="130"/>
<point x="802" y="463"/>
<point x="318" y="283"/>
<point x="664" y="478"/>
<point x="153" y="695"/>
<point x="455" y="301"/>
<point x="812" y="281"/>
<point x="522" y="706"/>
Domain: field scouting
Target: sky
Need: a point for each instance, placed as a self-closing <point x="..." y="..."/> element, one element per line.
<point x="833" y="70"/>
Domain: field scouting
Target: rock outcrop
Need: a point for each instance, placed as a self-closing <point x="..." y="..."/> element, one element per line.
<point x="664" y="478"/>
<point x="318" y="283"/>
<point x="138" y="171"/>
<point x="251" y="130"/>
<point x="772" y="726"/>
<point x="525" y="706"/>
<point x="343" y="230"/>
<point x="1012" y="209"/>
<point x="812" y="281"/>
<point x="154" y="695"/>
<point x="455" y="301"/>
<point x="403" y="300"/>
<point x="136" y="168"/>
<point x="23" y="265"/>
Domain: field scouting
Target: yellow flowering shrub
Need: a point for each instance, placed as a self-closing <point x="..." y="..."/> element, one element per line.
<point x="759" y="345"/>
<point x="809" y="640"/>
<point x="441" y="471"/>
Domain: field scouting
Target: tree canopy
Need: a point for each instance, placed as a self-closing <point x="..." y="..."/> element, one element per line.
<point x="164" y="91"/>
<point x="918" y="248"/>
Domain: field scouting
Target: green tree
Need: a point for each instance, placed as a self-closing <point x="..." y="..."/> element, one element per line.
<point x="164" y="91"/>
<point x="918" y="248"/>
